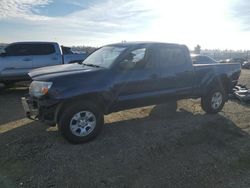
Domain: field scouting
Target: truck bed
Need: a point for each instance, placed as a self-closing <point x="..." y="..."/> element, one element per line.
<point x="204" y="73"/>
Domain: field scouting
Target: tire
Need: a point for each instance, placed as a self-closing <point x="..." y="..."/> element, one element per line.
<point x="213" y="101"/>
<point x="81" y="122"/>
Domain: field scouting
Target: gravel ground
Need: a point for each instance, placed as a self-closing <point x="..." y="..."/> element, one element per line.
<point x="143" y="147"/>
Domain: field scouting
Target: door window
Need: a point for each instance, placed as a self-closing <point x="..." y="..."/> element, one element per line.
<point x="18" y="50"/>
<point x="30" y="49"/>
<point x="137" y="57"/>
<point x="42" y="49"/>
<point x="169" y="56"/>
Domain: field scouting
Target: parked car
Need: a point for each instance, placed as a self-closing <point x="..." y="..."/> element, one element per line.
<point x="246" y="65"/>
<point x="202" y="59"/>
<point x="20" y="58"/>
<point x="122" y="76"/>
<point x="233" y="60"/>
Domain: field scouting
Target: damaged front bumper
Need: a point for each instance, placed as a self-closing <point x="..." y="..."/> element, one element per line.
<point x="30" y="108"/>
<point x="40" y="110"/>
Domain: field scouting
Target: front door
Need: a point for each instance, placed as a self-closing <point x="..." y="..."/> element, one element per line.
<point x="137" y="85"/>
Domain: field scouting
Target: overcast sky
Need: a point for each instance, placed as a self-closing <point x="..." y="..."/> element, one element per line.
<point x="223" y="24"/>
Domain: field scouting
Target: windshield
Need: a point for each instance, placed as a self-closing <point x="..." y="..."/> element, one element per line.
<point x="104" y="57"/>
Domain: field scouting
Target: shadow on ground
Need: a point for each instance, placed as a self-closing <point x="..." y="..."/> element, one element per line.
<point x="10" y="104"/>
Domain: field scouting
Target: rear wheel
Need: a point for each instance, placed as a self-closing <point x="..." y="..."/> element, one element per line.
<point x="80" y="123"/>
<point x="214" y="101"/>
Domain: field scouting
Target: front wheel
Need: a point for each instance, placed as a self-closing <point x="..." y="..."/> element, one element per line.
<point x="80" y="123"/>
<point x="214" y="101"/>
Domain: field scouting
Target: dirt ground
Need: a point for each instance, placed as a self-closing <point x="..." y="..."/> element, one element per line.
<point x="144" y="147"/>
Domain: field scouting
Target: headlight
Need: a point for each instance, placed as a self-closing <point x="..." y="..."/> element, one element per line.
<point x="38" y="88"/>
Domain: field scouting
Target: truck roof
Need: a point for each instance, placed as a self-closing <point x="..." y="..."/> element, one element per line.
<point x="34" y="42"/>
<point x="128" y="44"/>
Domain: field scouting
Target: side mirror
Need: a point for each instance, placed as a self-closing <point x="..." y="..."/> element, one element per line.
<point x="127" y="64"/>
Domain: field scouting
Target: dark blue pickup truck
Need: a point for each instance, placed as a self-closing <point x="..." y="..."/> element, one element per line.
<point x="122" y="76"/>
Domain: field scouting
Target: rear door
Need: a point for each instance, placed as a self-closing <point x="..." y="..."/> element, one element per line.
<point x="45" y="54"/>
<point x="176" y="70"/>
<point x="17" y="62"/>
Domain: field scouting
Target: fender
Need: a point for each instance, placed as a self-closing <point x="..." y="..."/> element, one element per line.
<point x="220" y="81"/>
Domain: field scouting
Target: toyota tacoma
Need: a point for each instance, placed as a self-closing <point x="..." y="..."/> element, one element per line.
<point x="121" y="76"/>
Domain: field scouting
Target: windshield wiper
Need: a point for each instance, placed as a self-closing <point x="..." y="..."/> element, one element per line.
<point x="90" y="65"/>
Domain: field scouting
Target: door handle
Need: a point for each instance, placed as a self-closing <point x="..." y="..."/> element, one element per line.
<point x="27" y="59"/>
<point x="154" y="76"/>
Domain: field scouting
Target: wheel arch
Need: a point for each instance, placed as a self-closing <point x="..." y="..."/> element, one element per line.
<point x="96" y="99"/>
<point x="221" y="81"/>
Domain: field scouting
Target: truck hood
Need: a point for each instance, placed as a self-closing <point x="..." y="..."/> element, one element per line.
<point x="60" y="70"/>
